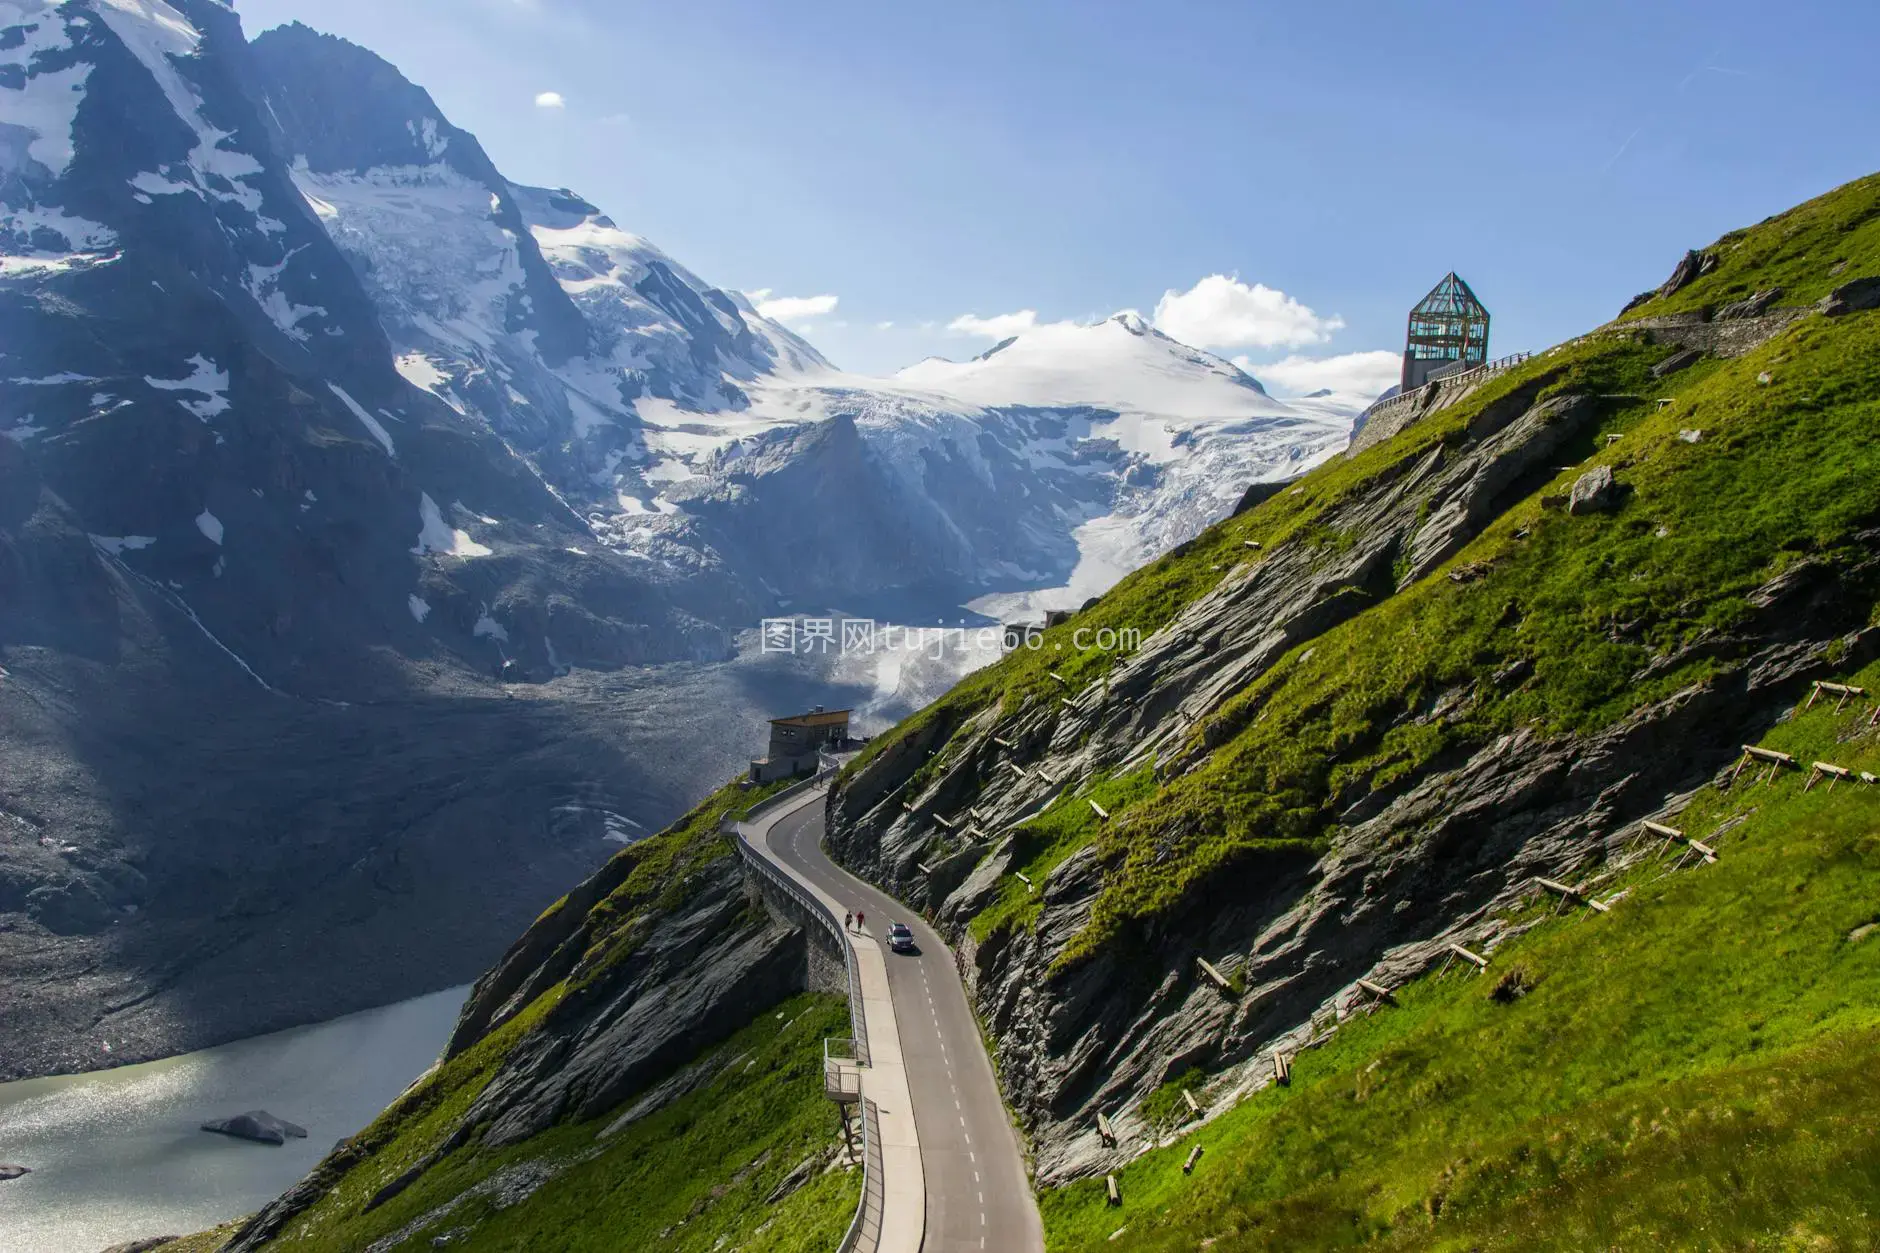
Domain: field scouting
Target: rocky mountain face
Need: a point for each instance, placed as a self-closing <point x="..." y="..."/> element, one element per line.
<point x="319" y="438"/>
<point x="253" y="583"/>
<point x="1273" y="775"/>
<point x="602" y="1014"/>
<point x="692" y="432"/>
<point x="1387" y="699"/>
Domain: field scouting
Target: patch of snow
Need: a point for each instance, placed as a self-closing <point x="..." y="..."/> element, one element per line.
<point x="419" y="372"/>
<point x="206" y="379"/>
<point x="436" y="536"/>
<point x="117" y="545"/>
<point x="40" y="239"/>
<point x="45" y="104"/>
<point x="490" y="627"/>
<point x="420" y="608"/>
<point x="426" y="134"/>
<point x="372" y="424"/>
<point x="161" y="38"/>
<point x="210" y="526"/>
<point x="157" y="184"/>
<point x="264" y="284"/>
<point x="55" y="380"/>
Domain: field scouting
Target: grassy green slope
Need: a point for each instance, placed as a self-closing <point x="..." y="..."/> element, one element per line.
<point x="1596" y="610"/>
<point x="686" y="1178"/>
<point x="1807" y="252"/>
<point x="1693" y="1070"/>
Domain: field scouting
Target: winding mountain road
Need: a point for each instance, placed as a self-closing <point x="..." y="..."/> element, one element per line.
<point x="978" y="1196"/>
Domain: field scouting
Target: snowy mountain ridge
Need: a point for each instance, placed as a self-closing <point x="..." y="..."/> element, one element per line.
<point x="677" y="419"/>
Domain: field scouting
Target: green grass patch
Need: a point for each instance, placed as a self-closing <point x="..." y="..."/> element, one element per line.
<point x="1590" y="616"/>
<point x="693" y="1177"/>
<point x="1692" y="1070"/>
<point x="1807" y="252"/>
<point x="1572" y="624"/>
<point x="1042" y="844"/>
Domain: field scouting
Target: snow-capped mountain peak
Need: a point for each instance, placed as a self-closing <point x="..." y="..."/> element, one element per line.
<point x="1122" y="364"/>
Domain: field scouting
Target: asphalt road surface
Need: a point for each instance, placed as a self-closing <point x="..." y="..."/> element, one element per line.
<point x="978" y="1194"/>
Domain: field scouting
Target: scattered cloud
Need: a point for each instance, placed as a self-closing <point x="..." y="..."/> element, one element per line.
<point x="1361" y="374"/>
<point x="788" y="308"/>
<point x="884" y="326"/>
<point x="1220" y="311"/>
<point x="612" y="119"/>
<point x="998" y="326"/>
<point x="550" y="100"/>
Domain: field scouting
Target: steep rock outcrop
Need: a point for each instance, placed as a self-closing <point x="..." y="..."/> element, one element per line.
<point x="1436" y="853"/>
<point x="648" y="988"/>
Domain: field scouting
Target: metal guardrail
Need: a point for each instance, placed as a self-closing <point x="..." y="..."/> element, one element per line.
<point x="842" y="1075"/>
<point x="1487" y="368"/>
<point x="871" y="1202"/>
<point x="865" y="1229"/>
<point x="858" y="1020"/>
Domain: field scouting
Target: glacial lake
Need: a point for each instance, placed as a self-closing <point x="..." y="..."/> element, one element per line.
<point x="117" y="1155"/>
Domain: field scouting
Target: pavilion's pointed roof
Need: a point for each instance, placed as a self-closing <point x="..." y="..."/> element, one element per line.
<point x="1450" y="297"/>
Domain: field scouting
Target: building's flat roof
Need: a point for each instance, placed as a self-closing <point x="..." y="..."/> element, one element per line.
<point x="826" y="718"/>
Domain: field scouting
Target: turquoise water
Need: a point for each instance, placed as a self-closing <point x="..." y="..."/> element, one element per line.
<point x="117" y="1155"/>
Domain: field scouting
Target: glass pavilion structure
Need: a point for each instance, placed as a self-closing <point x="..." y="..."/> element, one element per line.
<point x="1448" y="327"/>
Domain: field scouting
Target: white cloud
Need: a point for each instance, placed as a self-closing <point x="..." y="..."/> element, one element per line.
<point x="1358" y="374"/>
<point x="1220" y="311"/>
<point x="998" y="326"/>
<point x="884" y="326"/>
<point x="612" y="119"/>
<point x="550" y="100"/>
<point x="786" y="308"/>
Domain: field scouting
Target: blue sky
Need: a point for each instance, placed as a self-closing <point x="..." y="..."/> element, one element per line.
<point x="1282" y="181"/>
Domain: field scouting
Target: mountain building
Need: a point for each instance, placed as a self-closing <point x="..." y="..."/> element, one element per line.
<point x="1448" y="328"/>
<point x="796" y="740"/>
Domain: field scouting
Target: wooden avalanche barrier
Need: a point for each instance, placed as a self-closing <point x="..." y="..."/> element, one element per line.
<point x="1105" y="1131"/>
<point x="1822" y="769"/>
<point x="1214" y="976"/>
<point x="1474" y="959"/>
<point x="1674" y="835"/>
<point x="1282" y="1069"/>
<point x="1115" y="1193"/>
<point x="1194" y="1155"/>
<point x="1842" y="690"/>
<point x="1572" y="894"/>
<point x="1023" y="878"/>
<point x="1774" y="760"/>
<point x="1376" y="990"/>
<point x="1101" y="812"/>
<point x="1194" y="1107"/>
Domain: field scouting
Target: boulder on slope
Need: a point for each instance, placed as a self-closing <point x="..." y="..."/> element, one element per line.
<point x="1596" y="491"/>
